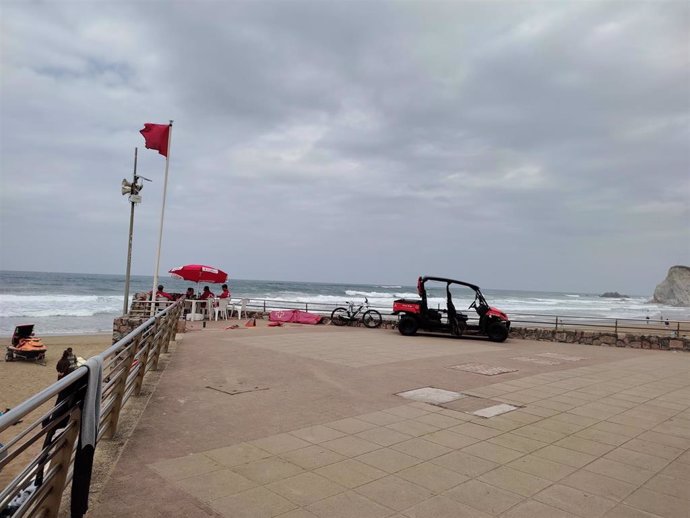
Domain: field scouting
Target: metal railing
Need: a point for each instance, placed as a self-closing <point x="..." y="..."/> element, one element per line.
<point x="40" y="457"/>
<point x="521" y="319"/>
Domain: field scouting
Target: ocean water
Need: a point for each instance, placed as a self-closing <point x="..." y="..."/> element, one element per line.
<point x="74" y="303"/>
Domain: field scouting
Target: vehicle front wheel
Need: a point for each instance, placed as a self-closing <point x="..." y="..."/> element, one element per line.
<point x="408" y="325"/>
<point x="497" y="332"/>
<point x="339" y="317"/>
<point x="372" y="318"/>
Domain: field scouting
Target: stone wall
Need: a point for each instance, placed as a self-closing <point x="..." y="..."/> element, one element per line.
<point x="603" y="339"/>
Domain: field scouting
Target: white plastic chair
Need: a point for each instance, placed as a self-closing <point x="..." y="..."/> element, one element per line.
<point x="240" y="307"/>
<point x="221" y="309"/>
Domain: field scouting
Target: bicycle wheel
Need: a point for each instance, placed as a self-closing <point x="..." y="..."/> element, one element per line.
<point x="372" y="318"/>
<point x="339" y="317"/>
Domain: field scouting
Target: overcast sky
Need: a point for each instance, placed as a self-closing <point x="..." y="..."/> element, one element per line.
<point x="517" y="145"/>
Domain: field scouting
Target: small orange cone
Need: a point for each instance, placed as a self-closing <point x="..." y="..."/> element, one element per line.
<point x="250" y="323"/>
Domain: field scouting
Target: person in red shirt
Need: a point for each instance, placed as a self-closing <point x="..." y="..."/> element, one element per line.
<point x="161" y="293"/>
<point x="225" y="294"/>
<point x="207" y="294"/>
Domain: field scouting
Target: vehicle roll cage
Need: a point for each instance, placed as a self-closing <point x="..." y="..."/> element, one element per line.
<point x="422" y="290"/>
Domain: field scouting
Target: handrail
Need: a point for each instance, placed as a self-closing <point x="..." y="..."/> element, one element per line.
<point x="48" y="472"/>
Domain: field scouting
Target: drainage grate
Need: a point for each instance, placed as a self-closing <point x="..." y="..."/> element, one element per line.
<point x="495" y="410"/>
<point x="431" y="395"/>
<point x="564" y="357"/>
<point x="538" y="361"/>
<point x="480" y="368"/>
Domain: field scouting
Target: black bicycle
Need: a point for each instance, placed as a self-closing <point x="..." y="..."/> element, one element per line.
<point x="369" y="317"/>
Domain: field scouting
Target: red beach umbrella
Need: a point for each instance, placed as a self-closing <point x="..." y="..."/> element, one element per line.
<point x="199" y="273"/>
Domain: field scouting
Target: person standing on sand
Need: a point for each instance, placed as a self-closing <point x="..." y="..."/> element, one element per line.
<point x="66" y="364"/>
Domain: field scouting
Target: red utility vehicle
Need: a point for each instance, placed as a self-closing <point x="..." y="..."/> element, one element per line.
<point x="415" y="315"/>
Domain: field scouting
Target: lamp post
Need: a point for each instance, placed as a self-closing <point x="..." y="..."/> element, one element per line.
<point x="132" y="188"/>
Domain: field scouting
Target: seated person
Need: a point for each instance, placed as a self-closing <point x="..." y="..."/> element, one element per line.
<point x="207" y="294"/>
<point x="190" y="295"/>
<point x="225" y="294"/>
<point x="161" y="294"/>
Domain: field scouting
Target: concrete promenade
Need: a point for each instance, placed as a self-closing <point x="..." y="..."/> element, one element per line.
<point x="304" y="422"/>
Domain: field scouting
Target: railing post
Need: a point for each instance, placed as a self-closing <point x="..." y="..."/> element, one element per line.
<point x="306" y="306"/>
<point x="157" y="339"/>
<point x="143" y="361"/>
<point x="63" y="459"/>
<point x="616" y="328"/>
<point x="119" y="391"/>
<point x="556" y="324"/>
<point x="264" y="305"/>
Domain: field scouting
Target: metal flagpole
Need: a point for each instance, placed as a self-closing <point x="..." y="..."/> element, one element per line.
<point x="160" y="231"/>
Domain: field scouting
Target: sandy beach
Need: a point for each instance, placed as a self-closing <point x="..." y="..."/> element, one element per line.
<point x="21" y="379"/>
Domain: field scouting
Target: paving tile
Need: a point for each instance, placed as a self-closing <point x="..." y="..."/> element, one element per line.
<point x="539" y="434"/>
<point x="312" y="457"/>
<point x="624" y="511"/>
<point x="516" y="481"/>
<point x="465" y="464"/>
<point x="298" y="513"/>
<point x="541" y="467"/>
<point x="383" y="436"/>
<point x="653" y="448"/>
<point x="666" y="440"/>
<point x="349" y="505"/>
<point x="601" y="485"/>
<point x="460" y="416"/>
<point x="484" y="497"/>
<point x="575" y="501"/>
<point x="539" y="410"/>
<point x="637" y="459"/>
<point x="502" y="423"/>
<point x="534" y="509"/>
<point x="413" y="428"/>
<point x="657" y="503"/>
<point x="438" y="420"/>
<point x="443" y="507"/>
<point x="565" y="456"/>
<point x="432" y="476"/>
<point x="394" y="492"/>
<point x="560" y="426"/>
<point x="492" y="452"/>
<point x="517" y="442"/>
<point x="254" y="503"/>
<point x="678" y="470"/>
<point x="280" y="443"/>
<point x="602" y="436"/>
<point x="350" y="425"/>
<point x="618" y="429"/>
<point x="350" y="473"/>
<point x="267" y="470"/>
<point x="306" y="488"/>
<point x="426" y="406"/>
<point x="619" y="471"/>
<point x="408" y="411"/>
<point x="421" y="448"/>
<point x="380" y="418"/>
<point x="350" y="446"/>
<point x="216" y="484"/>
<point x="475" y="430"/>
<point x="585" y="445"/>
<point x="389" y="460"/>
<point x="669" y="486"/>
<point x="317" y="434"/>
<point x="183" y="467"/>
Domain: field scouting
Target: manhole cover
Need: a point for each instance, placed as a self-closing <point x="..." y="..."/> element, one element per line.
<point x="470" y="404"/>
<point x="564" y="357"/>
<point x="495" y="410"/>
<point x="480" y="368"/>
<point x="538" y="361"/>
<point x="431" y="395"/>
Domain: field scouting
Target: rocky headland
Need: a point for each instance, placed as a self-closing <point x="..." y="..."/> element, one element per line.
<point x="675" y="288"/>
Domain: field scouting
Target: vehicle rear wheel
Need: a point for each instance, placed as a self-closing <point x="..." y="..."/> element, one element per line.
<point x="497" y="332"/>
<point x="339" y="317"/>
<point x="372" y="318"/>
<point x="408" y="325"/>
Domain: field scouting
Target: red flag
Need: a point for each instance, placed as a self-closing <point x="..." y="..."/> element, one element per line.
<point x="156" y="136"/>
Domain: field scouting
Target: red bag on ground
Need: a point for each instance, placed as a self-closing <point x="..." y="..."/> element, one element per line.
<point x="294" y="315"/>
